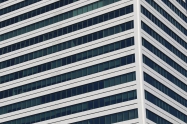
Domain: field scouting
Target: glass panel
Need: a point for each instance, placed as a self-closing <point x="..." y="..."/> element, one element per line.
<point x="84" y="106"/>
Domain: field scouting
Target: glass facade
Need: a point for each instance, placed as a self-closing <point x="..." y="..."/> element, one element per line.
<point x="164" y="14"/>
<point x="62" y="62"/>
<point x="169" y="92"/>
<point x="164" y="57"/>
<point x="125" y="78"/>
<point x="164" y="42"/>
<point x="89" y="62"/>
<point x="113" y="118"/>
<point x="165" y="28"/>
<point x="175" y="80"/>
<point x="71" y="28"/>
<point x="63" y="31"/>
<point x="175" y="9"/>
<point x="97" y="51"/>
<point x="17" y="6"/>
<point x="97" y="103"/>
<point x="68" y="29"/>
<point x="35" y="12"/>
<point x="156" y="118"/>
<point x="170" y="53"/>
<point x="163" y="105"/>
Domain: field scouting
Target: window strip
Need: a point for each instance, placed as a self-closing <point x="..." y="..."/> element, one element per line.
<point x="167" y="16"/>
<point x="78" y="57"/>
<point x="60" y="62"/>
<point x="71" y="28"/>
<point x="164" y="57"/>
<point x="81" y="107"/>
<point x="17" y="6"/>
<point x="175" y="9"/>
<point x="55" y="19"/>
<point x="112" y="118"/>
<point x="70" y="76"/>
<point x="35" y="12"/>
<point x="152" y="81"/>
<point x="156" y="118"/>
<point x="162" y="26"/>
<point x="46" y="22"/>
<point x="163" y="105"/>
<point x="164" y="73"/>
<point x="164" y="42"/>
<point x="125" y="78"/>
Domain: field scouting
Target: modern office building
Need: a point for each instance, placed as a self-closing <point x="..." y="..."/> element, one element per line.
<point x="93" y="62"/>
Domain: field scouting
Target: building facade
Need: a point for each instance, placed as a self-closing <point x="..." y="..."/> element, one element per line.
<point x="93" y="62"/>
